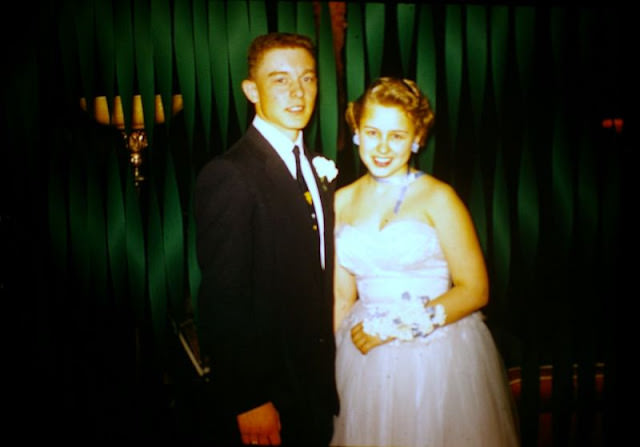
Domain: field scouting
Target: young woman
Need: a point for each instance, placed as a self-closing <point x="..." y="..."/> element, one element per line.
<point x="416" y="364"/>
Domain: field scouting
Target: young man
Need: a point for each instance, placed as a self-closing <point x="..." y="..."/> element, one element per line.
<point x="266" y="256"/>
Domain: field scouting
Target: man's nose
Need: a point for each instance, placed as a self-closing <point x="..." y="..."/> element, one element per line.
<point x="296" y="89"/>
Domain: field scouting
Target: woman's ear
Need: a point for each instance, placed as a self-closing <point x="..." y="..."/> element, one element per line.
<point x="415" y="146"/>
<point x="250" y="90"/>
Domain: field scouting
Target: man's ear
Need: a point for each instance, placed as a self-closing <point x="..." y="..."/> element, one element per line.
<point x="250" y="90"/>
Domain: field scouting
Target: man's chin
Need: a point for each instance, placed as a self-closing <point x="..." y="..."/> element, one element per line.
<point x="297" y="124"/>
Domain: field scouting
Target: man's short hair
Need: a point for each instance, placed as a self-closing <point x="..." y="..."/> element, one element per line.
<point x="266" y="42"/>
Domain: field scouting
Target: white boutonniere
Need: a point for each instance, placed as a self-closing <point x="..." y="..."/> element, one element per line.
<point x="326" y="169"/>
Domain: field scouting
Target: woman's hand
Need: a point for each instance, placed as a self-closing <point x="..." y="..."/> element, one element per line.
<point x="366" y="342"/>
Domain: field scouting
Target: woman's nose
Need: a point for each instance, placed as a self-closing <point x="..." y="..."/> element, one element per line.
<point x="383" y="147"/>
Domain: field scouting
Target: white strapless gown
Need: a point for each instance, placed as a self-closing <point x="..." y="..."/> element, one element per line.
<point x="447" y="390"/>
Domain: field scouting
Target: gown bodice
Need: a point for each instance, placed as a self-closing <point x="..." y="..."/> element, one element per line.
<point x="403" y="258"/>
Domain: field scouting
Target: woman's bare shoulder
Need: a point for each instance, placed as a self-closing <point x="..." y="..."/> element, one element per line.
<point x="433" y="188"/>
<point x="345" y="194"/>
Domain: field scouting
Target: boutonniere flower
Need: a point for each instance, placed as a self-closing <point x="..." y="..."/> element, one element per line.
<point x="325" y="168"/>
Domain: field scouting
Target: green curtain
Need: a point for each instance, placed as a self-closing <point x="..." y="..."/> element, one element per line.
<point x="519" y="93"/>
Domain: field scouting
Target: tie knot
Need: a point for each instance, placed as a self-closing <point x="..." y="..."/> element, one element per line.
<point x="296" y="150"/>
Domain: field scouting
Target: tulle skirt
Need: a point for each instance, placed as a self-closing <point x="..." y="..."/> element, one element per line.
<point x="449" y="390"/>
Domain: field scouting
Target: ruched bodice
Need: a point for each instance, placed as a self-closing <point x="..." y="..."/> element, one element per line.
<point x="400" y="248"/>
<point x="403" y="258"/>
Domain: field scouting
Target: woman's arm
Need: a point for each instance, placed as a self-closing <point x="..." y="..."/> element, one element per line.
<point x="459" y="242"/>
<point x="345" y="294"/>
<point x="344" y="286"/>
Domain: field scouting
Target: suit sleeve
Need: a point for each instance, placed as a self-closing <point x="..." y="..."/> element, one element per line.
<point x="224" y="208"/>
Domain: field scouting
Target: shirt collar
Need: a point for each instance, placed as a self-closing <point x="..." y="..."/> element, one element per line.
<point x="277" y="139"/>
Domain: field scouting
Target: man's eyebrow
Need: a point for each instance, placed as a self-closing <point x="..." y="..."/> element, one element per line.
<point x="286" y="73"/>
<point x="277" y="73"/>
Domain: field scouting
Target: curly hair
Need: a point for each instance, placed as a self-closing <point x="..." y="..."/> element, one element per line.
<point x="402" y="93"/>
<point x="263" y="43"/>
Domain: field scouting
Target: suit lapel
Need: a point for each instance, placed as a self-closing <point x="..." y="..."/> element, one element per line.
<point x="269" y="161"/>
<point x="323" y="189"/>
<point x="284" y="188"/>
<point x="325" y="197"/>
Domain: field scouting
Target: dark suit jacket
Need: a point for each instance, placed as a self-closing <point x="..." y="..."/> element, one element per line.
<point x="265" y="306"/>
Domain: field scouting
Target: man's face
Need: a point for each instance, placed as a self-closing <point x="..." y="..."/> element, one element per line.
<point x="283" y="89"/>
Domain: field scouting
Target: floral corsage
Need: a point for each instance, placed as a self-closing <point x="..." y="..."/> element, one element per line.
<point x="326" y="169"/>
<point x="409" y="319"/>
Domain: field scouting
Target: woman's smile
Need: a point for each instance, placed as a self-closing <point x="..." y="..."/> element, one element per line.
<point x="382" y="162"/>
<point x="386" y="134"/>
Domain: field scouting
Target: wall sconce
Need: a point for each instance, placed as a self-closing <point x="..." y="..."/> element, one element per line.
<point x="134" y="141"/>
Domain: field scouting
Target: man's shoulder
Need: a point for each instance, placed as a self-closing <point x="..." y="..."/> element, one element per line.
<point x="242" y="162"/>
<point x="238" y="153"/>
<point x="223" y="165"/>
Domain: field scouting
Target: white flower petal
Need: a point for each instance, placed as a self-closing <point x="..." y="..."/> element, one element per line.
<point x="326" y="168"/>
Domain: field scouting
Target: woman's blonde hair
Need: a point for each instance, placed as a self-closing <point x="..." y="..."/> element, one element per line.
<point x="396" y="92"/>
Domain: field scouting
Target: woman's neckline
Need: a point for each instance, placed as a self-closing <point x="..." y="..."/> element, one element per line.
<point x="391" y="223"/>
<point x="398" y="180"/>
<point x="402" y="181"/>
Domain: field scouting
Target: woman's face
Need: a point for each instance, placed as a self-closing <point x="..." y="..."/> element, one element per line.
<point x="386" y="134"/>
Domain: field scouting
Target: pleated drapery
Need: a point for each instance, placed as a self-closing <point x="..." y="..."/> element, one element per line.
<point x="519" y="92"/>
